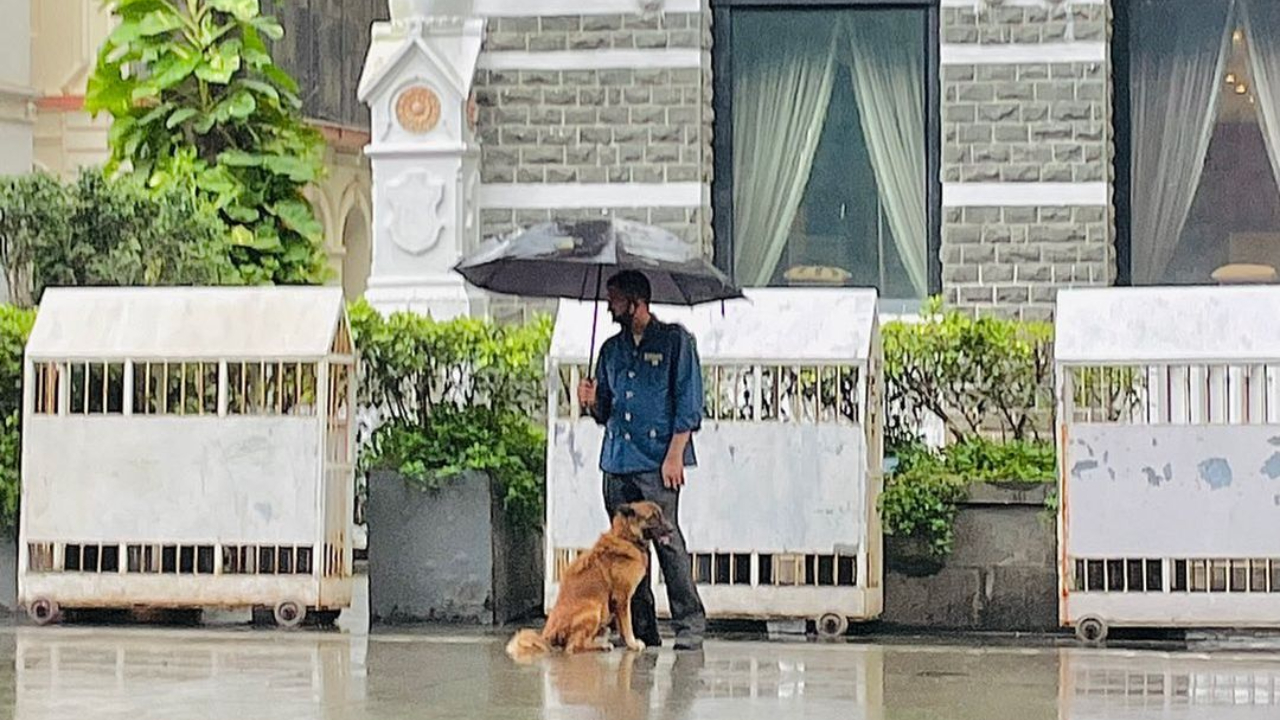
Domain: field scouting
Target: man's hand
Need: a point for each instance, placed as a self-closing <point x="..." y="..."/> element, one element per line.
<point x="673" y="471"/>
<point x="587" y="393"/>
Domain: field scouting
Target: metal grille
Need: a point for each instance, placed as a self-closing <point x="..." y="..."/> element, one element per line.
<point x="808" y="394"/>
<point x="1174" y="394"/>
<point x="267" y="560"/>
<point x="1183" y="575"/>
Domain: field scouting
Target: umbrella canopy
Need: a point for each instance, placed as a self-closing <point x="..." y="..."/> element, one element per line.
<point x="572" y="259"/>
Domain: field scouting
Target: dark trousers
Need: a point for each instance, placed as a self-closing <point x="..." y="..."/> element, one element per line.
<point x="687" y="615"/>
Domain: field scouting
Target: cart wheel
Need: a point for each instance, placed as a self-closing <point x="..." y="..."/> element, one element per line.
<point x="43" y="611"/>
<point x="290" y="614"/>
<point x="1091" y="631"/>
<point x="832" y="625"/>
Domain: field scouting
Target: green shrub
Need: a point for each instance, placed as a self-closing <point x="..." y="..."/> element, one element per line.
<point x="15" y="327"/>
<point x="980" y="375"/>
<point x="100" y="231"/>
<point x="456" y="396"/>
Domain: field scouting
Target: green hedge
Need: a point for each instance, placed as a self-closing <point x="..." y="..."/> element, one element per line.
<point x="466" y="394"/>
<point x="991" y="381"/>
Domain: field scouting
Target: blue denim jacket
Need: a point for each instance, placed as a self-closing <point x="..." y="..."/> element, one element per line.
<point x="645" y="394"/>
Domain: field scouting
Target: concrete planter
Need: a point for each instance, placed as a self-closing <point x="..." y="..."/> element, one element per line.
<point x="1001" y="574"/>
<point x="449" y="555"/>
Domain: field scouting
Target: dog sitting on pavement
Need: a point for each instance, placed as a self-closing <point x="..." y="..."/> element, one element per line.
<point x="597" y="588"/>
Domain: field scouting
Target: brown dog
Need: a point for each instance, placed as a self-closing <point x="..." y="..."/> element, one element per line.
<point x="597" y="587"/>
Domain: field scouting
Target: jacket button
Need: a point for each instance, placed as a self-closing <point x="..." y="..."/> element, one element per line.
<point x="627" y="417"/>
<point x="653" y="434"/>
<point x="626" y="436"/>
<point x="630" y="394"/>
<point x="631" y="374"/>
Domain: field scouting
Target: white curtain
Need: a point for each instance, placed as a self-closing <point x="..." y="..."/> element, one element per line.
<point x="887" y="54"/>
<point x="1262" y="32"/>
<point x="780" y="102"/>
<point x="1179" y="52"/>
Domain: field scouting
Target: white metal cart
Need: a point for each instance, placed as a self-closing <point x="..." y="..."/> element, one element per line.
<point x="188" y="448"/>
<point x="780" y="516"/>
<point x="1168" y="429"/>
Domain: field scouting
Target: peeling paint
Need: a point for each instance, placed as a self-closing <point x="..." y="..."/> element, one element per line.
<point x="1153" y="478"/>
<point x="1275" y="440"/>
<point x="264" y="511"/>
<point x="1216" y="472"/>
<point x="1271" y="468"/>
<point x="1082" y="467"/>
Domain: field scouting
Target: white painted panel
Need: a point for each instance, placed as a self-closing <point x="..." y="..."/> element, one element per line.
<point x="173" y="323"/>
<point x="1180" y="609"/>
<point x="180" y="479"/>
<point x="573" y="196"/>
<point x="1166" y="491"/>
<point x="1015" y="54"/>
<point x="602" y="59"/>
<point x="1000" y="194"/>
<point x="1168" y="325"/>
<point x="759" y="487"/>
<point x="770" y="325"/>
<point x="544" y="8"/>
<point x="127" y="590"/>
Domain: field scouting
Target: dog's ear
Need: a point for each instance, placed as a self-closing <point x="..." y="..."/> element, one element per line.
<point x="627" y="511"/>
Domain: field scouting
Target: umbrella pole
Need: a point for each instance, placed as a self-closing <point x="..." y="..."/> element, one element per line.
<point x="595" y="319"/>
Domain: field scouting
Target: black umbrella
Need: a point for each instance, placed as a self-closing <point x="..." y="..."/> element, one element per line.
<point x="572" y="260"/>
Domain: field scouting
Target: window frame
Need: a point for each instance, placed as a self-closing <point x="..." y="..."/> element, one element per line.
<point x="722" y="125"/>
<point x="1122" y="139"/>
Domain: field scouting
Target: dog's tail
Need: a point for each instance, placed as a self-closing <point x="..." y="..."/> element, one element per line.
<point x="526" y="645"/>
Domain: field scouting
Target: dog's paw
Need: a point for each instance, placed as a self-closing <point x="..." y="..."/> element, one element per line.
<point x="636" y="646"/>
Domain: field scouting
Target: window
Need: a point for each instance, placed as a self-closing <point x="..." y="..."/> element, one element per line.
<point x="826" y="145"/>
<point x="1198" y="133"/>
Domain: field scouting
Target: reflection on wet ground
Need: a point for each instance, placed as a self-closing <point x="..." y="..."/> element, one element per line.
<point x="175" y="674"/>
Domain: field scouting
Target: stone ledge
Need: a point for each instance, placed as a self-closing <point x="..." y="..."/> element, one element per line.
<point x="1013" y="492"/>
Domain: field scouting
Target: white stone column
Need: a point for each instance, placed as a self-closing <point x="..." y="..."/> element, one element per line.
<point x="425" y="159"/>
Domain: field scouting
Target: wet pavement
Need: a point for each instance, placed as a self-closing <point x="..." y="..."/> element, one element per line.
<point x="243" y="674"/>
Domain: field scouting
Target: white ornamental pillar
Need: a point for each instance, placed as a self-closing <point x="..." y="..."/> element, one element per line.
<point x="417" y="83"/>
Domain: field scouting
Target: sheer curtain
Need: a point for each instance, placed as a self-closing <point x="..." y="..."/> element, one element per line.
<point x="780" y="100"/>
<point x="1178" y="55"/>
<point x="887" y="65"/>
<point x="1262" y="31"/>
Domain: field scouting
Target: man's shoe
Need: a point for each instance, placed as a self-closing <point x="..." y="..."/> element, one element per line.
<point x="688" y="643"/>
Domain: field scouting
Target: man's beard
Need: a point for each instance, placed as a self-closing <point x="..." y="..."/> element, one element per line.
<point x="625" y="319"/>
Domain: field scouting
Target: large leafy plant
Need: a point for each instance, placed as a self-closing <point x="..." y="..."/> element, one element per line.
<point x="196" y="98"/>
<point x="456" y="396"/>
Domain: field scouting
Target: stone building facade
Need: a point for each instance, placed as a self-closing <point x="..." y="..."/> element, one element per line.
<point x="607" y="107"/>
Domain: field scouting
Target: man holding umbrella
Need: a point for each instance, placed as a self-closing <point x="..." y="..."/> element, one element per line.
<point x="647" y="392"/>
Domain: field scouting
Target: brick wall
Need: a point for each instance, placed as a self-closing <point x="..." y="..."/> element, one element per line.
<point x="1011" y="128"/>
<point x="642" y="124"/>
<point x="1024" y="25"/>
<point x="589" y="125"/>
<point x="1025" y="123"/>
